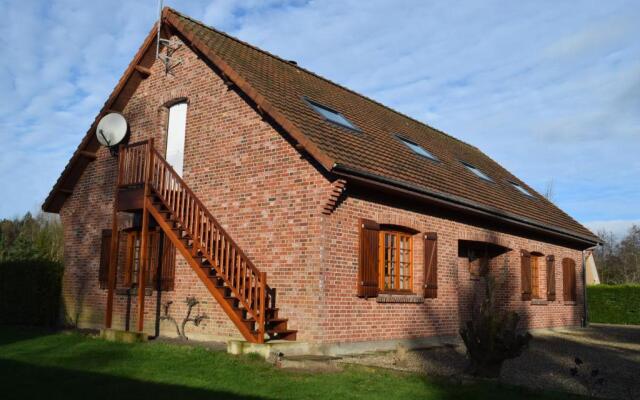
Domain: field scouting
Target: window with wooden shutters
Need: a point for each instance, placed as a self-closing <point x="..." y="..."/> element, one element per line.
<point x="161" y="259"/>
<point x="551" y="278"/>
<point x="525" y="275"/>
<point x="368" y="259"/>
<point x="569" y="279"/>
<point x="105" y="256"/>
<point x="396" y="261"/>
<point x="535" y="275"/>
<point x="431" y="265"/>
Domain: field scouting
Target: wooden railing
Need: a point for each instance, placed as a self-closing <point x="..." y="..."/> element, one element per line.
<point x="210" y="240"/>
<point x="132" y="167"/>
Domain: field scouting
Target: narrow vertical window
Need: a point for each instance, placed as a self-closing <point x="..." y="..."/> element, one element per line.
<point x="396" y="267"/>
<point x="175" y="136"/>
<point x="535" y="275"/>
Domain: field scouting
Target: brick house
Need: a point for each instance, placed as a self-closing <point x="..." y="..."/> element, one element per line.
<point x="293" y="208"/>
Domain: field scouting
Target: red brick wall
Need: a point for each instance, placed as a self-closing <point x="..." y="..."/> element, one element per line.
<point x="270" y="199"/>
<point x="350" y="318"/>
<point x="252" y="180"/>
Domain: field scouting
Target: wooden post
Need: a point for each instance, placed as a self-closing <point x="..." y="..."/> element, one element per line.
<point x="144" y="240"/>
<point x="262" y="299"/>
<point x="113" y="258"/>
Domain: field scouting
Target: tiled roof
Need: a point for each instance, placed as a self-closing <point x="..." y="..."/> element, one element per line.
<point x="375" y="150"/>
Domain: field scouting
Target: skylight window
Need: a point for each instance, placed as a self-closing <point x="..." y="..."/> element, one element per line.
<point x="477" y="172"/>
<point x="416" y="148"/>
<point x="521" y="189"/>
<point x="333" y="116"/>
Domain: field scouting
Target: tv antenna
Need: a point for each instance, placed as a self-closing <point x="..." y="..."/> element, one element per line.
<point x="171" y="46"/>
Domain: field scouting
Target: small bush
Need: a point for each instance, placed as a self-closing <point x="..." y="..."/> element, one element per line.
<point x="492" y="337"/>
<point x="30" y="292"/>
<point x="614" y="304"/>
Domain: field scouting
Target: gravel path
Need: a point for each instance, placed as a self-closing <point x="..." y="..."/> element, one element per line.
<point x="612" y="349"/>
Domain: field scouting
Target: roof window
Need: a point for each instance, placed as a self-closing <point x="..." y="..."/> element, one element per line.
<point x="332" y="115"/>
<point x="416" y="148"/>
<point x="521" y="189"/>
<point x="477" y="172"/>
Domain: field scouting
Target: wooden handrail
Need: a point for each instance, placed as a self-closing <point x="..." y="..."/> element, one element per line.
<point x="133" y="164"/>
<point x="210" y="240"/>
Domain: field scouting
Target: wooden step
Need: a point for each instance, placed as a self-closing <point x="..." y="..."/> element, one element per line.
<point x="277" y="325"/>
<point x="271" y="313"/>
<point x="285" y="335"/>
<point x="250" y="323"/>
<point x="233" y="301"/>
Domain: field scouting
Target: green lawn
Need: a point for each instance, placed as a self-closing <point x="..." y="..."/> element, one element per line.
<point x="619" y="304"/>
<point x="36" y="364"/>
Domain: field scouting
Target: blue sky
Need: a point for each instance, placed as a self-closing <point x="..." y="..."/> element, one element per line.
<point x="549" y="89"/>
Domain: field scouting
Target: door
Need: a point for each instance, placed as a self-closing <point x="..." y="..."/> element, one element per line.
<point x="175" y="136"/>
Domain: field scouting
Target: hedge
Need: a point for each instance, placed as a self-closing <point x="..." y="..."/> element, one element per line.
<point x="614" y="304"/>
<point x="30" y="292"/>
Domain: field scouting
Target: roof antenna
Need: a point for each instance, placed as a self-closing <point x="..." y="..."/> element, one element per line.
<point x="159" y="27"/>
<point x="172" y="46"/>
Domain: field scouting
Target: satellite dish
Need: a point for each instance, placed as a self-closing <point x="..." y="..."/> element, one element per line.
<point x="111" y="129"/>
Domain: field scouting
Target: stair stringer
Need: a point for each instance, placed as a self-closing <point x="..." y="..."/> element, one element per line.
<point x="204" y="277"/>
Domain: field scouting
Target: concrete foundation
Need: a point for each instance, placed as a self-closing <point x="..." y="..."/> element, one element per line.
<point x="114" y="335"/>
<point x="288" y="349"/>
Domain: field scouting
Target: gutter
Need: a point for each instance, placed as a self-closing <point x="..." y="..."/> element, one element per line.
<point x="458" y="203"/>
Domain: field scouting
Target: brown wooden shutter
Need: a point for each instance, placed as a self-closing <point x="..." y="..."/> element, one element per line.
<point x="525" y="275"/>
<point x="105" y="257"/>
<point x="368" y="259"/>
<point x="431" y="265"/>
<point x="551" y="278"/>
<point x="151" y="273"/>
<point x="130" y="253"/>
<point x="162" y="254"/>
<point x="569" y="279"/>
<point x="168" y="265"/>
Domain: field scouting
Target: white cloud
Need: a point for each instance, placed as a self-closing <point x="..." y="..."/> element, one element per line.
<point x="549" y="89"/>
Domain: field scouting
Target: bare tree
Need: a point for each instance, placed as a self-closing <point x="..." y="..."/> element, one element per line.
<point x="618" y="261"/>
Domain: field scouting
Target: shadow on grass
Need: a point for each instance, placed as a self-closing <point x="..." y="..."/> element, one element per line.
<point x="13" y="334"/>
<point x="26" y="381"/>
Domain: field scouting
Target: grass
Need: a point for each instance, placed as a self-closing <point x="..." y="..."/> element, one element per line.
<point x="619" y="304"/>
<point x="37" y="364"/>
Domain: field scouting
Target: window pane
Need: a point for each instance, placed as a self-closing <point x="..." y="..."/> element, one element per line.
<point x="477" y="172"/>
<point x="396" y="261"/>
<point x="418" y="149"/>
<point x="390" y="261"/>
<point x="175" y="136"/>
<point x="521" y="189"/>
<point x="333" y="116"/>
<point x="535" y="277"/>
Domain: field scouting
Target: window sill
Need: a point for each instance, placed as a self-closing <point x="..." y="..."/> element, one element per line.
<point x="539" y="302"/>
<point x="570" y="303"/>
<point x="399" y="298"/>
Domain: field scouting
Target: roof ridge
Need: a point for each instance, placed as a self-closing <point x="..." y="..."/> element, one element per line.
<point x="319" y="76"/>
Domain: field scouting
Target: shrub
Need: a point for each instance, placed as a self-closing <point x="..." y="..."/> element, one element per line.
<point x="614" y="304"/>
<point x="30" y="292"/>
<point x="491" y="337"/>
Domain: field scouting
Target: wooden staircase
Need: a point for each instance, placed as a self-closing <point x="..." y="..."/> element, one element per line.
<point x="229" y="275"/>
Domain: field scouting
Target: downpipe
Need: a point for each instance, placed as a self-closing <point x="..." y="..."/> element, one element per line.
<point x="585" y="315"/>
